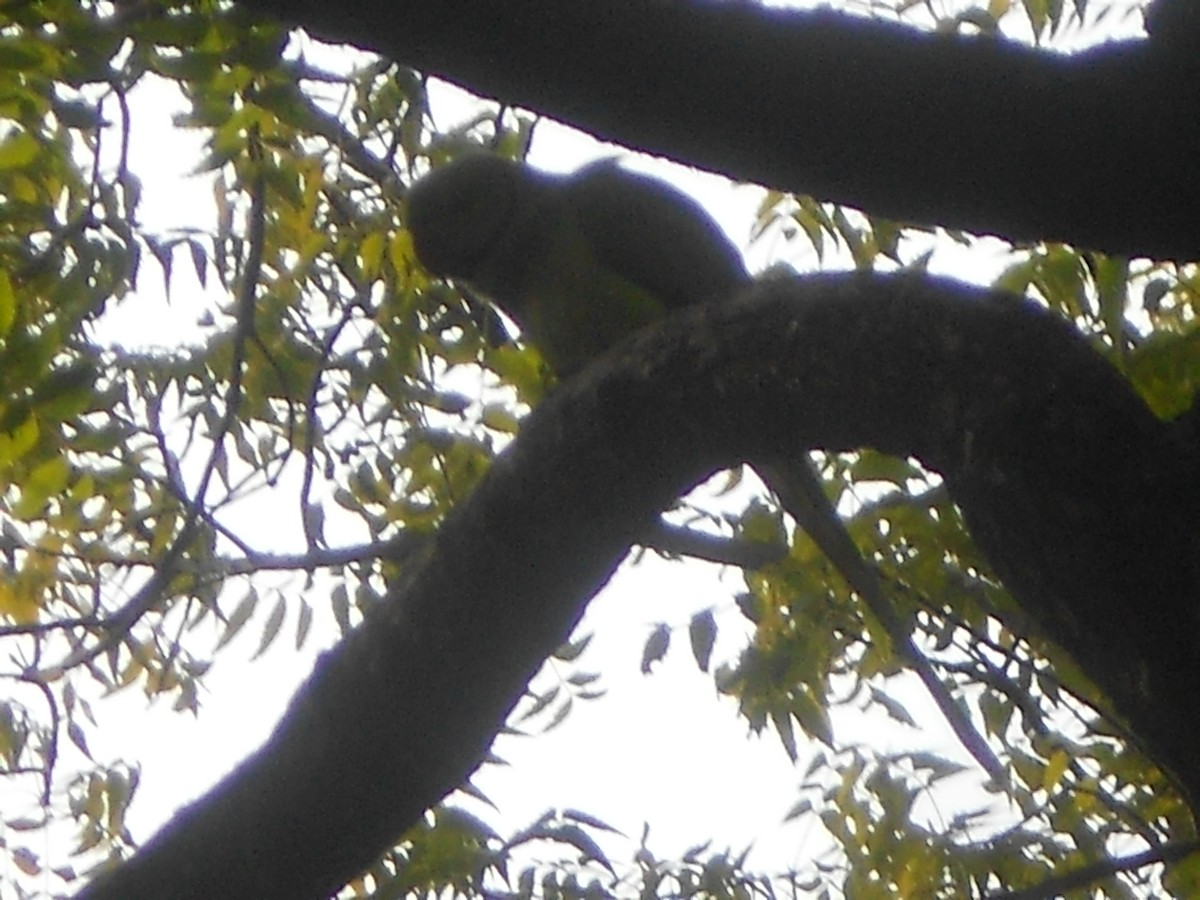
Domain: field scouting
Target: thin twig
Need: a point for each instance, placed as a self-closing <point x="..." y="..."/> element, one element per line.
<point x="799" y="489"/>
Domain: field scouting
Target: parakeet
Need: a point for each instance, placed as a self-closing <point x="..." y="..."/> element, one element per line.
<point x="577" y="261"/>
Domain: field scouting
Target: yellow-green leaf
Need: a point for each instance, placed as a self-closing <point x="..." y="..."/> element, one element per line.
<point x="370" y="253"/>
<point x="17" y="603"/>
<point x="1059" y="760"/>
<point x="702" y="632"/>
<point x="18" y="151"/>
<point x="271" y="628"/>
<point x="46" y="480"/>
<point x="241" y="615"/>
<point x="8" y="304"/>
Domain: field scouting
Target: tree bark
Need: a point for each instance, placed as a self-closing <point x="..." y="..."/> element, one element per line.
<point x="1095" y="149"/>
<point x="1075" y="490"/>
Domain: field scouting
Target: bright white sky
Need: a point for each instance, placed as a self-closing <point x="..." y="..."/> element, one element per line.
<point x="661" y="749"/>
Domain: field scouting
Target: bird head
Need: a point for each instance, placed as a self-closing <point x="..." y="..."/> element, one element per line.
<point x="461" y="212"/>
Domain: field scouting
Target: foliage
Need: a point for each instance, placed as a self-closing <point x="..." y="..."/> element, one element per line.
<point x="369" y="400"/>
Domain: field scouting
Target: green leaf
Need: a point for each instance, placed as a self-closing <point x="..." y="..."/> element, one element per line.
<point x="811" y="715"/>
<point x="241" y="615"/>
<point x="370" y="254"/>
<point x="271" y="628"/>
<point x="303" y="623"/>
<point x="571" y="651"/>
<point x="589" y="820"/>
<point x="46" y="480"/>
<point x="656" y="646"/>
<point x="66" y="391"/>
<point x="1055" y="768"/>
<point x="787" y="736"/>
<point x="78" y="738"/>
<point x="893" y="707"/>
<point x="18" y="151"/>
<point x="8" y="304"/>
<point x="19" y="440"/>
<point x="872" y="466"/>
<point x="583" y="842"/>
<point x="17" y="54"/>
<point x="702" y="632"/>
<point x="540" y="705"/>
<point x="1166" y="371"/>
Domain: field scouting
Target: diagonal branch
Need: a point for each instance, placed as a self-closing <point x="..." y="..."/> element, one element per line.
<point x="407" y="705"/>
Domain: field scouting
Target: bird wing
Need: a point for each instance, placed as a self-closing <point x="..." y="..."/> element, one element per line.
<point x="653" y="235"/>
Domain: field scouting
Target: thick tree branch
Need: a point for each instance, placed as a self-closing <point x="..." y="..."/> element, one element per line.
<point x="1057" y="449"/>
<point x="972" y="133"/>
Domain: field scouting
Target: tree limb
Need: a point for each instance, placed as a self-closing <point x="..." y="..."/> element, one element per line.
<point x="406" y="706"/>
<point x="966" y="132"/>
